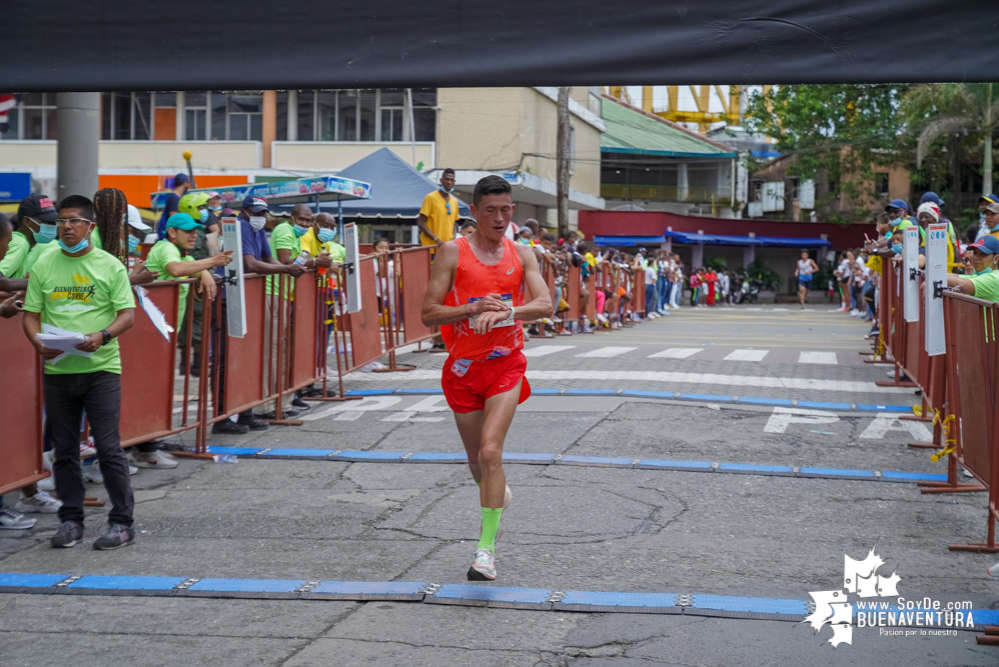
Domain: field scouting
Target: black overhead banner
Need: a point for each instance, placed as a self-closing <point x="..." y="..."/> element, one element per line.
<point x="107" y="45"/>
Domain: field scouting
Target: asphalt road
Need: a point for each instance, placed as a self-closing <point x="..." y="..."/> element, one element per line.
<point x="569" y="528"/>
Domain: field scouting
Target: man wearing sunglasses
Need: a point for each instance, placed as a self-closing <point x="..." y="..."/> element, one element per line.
<point x="83" y="289"/>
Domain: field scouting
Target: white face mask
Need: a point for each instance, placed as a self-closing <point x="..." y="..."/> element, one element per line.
<point x="257" y="222"/>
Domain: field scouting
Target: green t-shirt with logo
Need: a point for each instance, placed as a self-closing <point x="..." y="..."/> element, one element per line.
<point x="81" y="294"/>
<point x="282" y="238"/>
<point x="986" y="286"/>
<point x="12" y="264"/>
<point x="162" y="253"/>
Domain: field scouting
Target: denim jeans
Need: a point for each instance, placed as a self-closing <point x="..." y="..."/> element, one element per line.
<point x="66" y="397"/>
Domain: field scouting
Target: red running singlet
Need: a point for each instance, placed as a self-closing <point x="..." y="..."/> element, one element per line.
<point x="474" y="280"/>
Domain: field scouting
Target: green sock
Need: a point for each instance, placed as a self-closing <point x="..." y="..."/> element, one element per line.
<point x="490" y="526"/>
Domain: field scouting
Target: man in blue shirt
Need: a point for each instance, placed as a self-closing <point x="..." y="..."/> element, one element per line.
<point x="257" y="258"/>
<point x="181" y="184"/>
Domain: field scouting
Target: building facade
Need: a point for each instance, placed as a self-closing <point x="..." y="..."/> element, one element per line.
<point x="249" y="136"/>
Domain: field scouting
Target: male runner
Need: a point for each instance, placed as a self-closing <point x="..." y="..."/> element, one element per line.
<point x="477" y="296"/>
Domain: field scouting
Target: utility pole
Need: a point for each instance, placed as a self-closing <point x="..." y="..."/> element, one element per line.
<point x="562" y="162"/>
<point x="79" y="118"/>
<point x="989" y="127"/>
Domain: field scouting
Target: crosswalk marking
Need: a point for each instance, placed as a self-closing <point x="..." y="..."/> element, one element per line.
<point x="817" y="358"/>
<point x="746" y="355"/>
<point x="604" y="352"/>
<point x="546" y="349"/>
<point x="676" y="353"/>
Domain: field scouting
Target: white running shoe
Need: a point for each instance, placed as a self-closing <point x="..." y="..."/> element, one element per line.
<point x="483" y="567"/>
<point x="11" y="520"/>
<point x="87" y="450"/>
<point x="92" y="474"/>
<point x="48" y="458"/>
<point x="47" y="484"/>
<point x="154" y="459"/>
<point x="40" y="503"/>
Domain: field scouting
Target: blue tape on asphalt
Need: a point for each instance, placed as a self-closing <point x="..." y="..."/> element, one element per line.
<point x="371" y="392"/>
<point x="596" y="460"/>
<point x="307" y="453"/>
<point x="545" y="392"/>
<point x="248" y="585"/>
<point x="127" y="583"/>
<point x="370" y="587"/>
<point x="590" y="392"/>
<point x="985" y="616"/>
<point x="600" y="599"/>
<point x="757" y="605"/>
<point x="420" y="391"/>
<point x="512" y="456"/>
<point x="752" y="467"/>
<point x="821" y="405"/>
<point x="914" y="476"/>
<point x="435" y="456"/>
<point x="885" y="408"/>
<point x="494" y="593"/>
<point x="370" y="456"/>
<point x="837" y="472"/>
<point x="765" y="401"/>
<point x="640" y="393"/>
<point x="715" y="398"/>
<point x="31" y="580"/>
<point x="235" y="451"/>
<point x="698" y="465"/>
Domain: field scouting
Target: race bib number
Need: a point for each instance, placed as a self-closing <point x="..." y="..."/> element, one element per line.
<point x="507" y="301"/>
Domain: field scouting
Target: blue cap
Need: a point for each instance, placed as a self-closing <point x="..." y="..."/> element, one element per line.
<point x="182" y="221"/>
<point x="898" y="203"/>
<point x="180" y="178"/>
<point x="255" y="203"/>
<point x="933" y="197"/>
<point x="992" y="199"/>
<point x="988" y="244"/>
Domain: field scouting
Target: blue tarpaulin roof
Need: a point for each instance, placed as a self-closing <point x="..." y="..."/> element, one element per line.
<point x="717" y="239"/>
<point x="628" y="240"/>
<point x="397" y="190"/>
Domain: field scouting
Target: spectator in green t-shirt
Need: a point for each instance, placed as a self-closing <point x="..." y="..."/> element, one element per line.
<point x="984" y="282"/>
<point x="84" y="290"/>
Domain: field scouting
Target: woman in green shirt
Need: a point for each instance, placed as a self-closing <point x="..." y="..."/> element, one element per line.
<point x="984" y="282"/>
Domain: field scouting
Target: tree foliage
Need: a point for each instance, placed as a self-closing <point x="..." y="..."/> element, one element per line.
<point x="839" y="133"/>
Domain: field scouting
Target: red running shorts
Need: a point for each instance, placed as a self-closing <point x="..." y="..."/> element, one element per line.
<point x="467" y="385"/>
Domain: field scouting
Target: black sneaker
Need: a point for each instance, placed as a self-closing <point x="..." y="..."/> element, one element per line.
<point x="68" y="535"/>
<point x="227" y="427"/>
<point x="116" y="536"/>
<point x="173" y="447"/>
<point x="252" y="423"/>
<point x="300" y="404"/>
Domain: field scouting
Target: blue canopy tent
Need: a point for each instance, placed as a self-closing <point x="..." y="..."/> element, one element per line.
<point x="766" y="241"/>
<point x="397" y="190"/>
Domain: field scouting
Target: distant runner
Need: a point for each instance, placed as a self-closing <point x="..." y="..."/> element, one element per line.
<point x="806" y="267"/>
<point x="476" y="295"/>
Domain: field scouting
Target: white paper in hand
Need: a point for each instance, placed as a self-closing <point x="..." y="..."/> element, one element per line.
<point x="65" y="341"/>
<point x="155" y="314"/>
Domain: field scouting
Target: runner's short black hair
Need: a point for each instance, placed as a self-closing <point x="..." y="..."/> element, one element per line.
<point x="491" y="185"/>
<point x="447" y="171"/>
<point x="469" y="223"/>
<point x="85" y="206"/>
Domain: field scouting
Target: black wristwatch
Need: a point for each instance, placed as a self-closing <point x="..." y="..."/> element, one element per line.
<point x="107" y="336"/>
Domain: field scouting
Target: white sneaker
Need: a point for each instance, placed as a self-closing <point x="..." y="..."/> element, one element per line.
<point x="48" y="458"/>
<point x="87" y="450"/>
<point x="92" y="474"/>
<point x="40" y="503"/>
<point x="11" y="520"/>
<point x="153" y="459"/>
<point x="483" y="567"/>
<point x="132" y="470"/>
<point x="47" y="484"/>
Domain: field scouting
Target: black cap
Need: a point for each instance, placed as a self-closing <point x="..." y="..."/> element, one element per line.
<point x="37" y="206"/>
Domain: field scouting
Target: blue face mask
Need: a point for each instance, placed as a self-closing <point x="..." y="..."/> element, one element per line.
<point x="446" y="191"/>
<point x="215" y="210"/>
<point x="82" y="245"/>
<point x="133" y="244"/>
<point x="45" y="234"/>
<point x="992" y="229"/>
<point x="896" y="248"/>
<point x="300" y="230"/>
<point x="203" y="218"/>
<point x="326" y="235"/>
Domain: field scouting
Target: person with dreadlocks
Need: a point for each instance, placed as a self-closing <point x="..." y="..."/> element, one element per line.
<point x="111" y="212"/>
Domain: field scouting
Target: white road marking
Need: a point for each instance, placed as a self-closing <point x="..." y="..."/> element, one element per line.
<point x="676" y="353"/>
<point x="784" y="417"/>
<point x="546" y="349"/>
<point x="605" y="352"/>
<point x="883" y="423"/>
<point x="817" y="358"/>
<point x="779" y="309"/>
<point x="363" y="405"/>
<point x="755" y="381"/>
<point x="348" y="416"/>
<point x="746" y="355"/>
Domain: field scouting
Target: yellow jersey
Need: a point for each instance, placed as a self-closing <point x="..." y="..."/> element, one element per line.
<point x="441" y="217"/>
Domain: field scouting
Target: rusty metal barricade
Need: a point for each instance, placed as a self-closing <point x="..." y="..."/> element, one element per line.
<point x="402" y="277"/>
<point x="21" y="388"/>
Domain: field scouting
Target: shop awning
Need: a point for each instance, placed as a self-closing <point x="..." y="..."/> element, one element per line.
<point x="773" y="241"/>
<point x="628" y="240"/>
